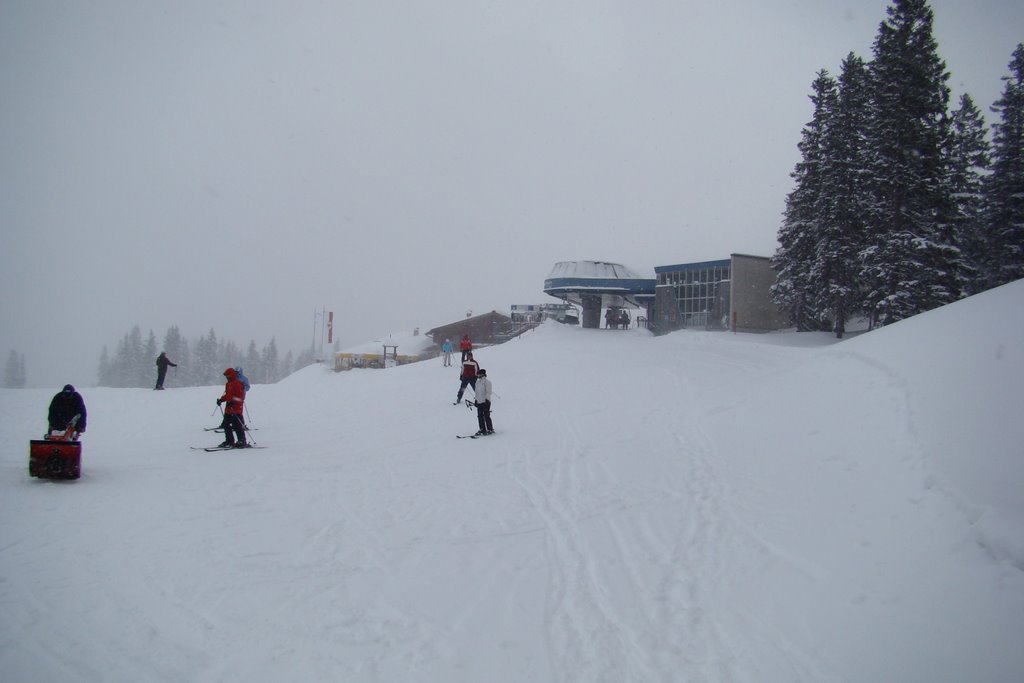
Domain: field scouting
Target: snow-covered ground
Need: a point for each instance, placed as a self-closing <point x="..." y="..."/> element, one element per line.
<point x="694" y="507"/>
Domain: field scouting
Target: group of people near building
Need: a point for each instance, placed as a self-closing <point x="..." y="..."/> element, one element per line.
<point x="616" y="319"/>
<point x="473" y="376"/>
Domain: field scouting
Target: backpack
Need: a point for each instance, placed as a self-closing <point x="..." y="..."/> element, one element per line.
<point x="242" y="378"/>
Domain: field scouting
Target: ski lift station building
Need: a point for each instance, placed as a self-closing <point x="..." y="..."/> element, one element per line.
<point x="596" y="285"/>
<point x="730" y="293"/>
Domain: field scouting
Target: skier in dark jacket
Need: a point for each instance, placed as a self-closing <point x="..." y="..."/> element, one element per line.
<point x="162" y="362"/>
<point x="63" y="409"/>
<point x="468" y="376"/>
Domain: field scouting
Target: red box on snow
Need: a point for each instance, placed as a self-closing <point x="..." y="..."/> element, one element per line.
<point x="55" y="459"/>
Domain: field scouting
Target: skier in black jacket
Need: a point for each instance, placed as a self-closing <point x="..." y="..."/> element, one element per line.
<point x="162" y="362"/>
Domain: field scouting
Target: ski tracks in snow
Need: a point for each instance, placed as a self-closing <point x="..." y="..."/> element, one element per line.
<point x="586" y="636"/>
<point x="642" y="568"/>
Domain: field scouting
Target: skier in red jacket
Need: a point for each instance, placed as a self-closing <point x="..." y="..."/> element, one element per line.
<point x="468" y="376"/>
<point x="233" y="424"/>
<point x="465" y="346"/>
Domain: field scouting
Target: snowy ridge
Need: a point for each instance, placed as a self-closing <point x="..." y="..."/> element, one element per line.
<point x="694" y="507"/>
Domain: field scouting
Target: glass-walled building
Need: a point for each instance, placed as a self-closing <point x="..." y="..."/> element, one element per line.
<point x="693" y="295"/>
<point x="731" y="293"/>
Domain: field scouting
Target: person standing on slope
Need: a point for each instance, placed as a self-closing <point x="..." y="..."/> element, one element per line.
<point x="467" y="376"/>
<point x="483" y="403"/>
<point x="233" y="424"/>
<point x="162" y="363"/>
<point x="447" y="349"/>
<point x="466" y="346"/>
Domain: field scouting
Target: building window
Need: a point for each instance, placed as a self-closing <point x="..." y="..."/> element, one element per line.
<point x="697" y="293"/>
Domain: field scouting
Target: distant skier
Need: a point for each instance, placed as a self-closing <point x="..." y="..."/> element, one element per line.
<point x="466" y="346"/>
<point x="162" y="362"/>
<point x="483" y="403"/>
<point x="233" y="424"/>
<point x="467" y="376"/>
<point x="63" y="409"/>
<point x="447" y="349"/>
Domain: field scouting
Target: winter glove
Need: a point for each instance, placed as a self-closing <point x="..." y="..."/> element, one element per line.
<point x="219" y="401"/>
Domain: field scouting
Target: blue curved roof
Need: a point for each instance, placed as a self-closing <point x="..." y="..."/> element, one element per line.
<point x="570" y="280"/>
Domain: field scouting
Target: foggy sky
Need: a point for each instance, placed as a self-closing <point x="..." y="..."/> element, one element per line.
<point x="238" y="165"/>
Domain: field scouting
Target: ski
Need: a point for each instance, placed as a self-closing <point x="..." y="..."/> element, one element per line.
<point x="472" y="436"/>
<point x="212" y="449"/>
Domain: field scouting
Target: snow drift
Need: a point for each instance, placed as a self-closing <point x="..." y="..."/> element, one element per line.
<point x="694" y="507"/>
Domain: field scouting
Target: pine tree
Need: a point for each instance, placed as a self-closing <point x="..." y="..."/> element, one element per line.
<point x="104" y="372"/>
<point x="14" y="371"/>
<point x="253" y="364"/>
<point x="123" y="367"/>
<point x="795" y="256"/>
<point x="147" y="363"/>
<point x="207" y="360"/>
<point x="909" y="264"/>
<point x="841" y="207"/>
<point x="176" y="348"/>
<point x="306" y="357"/>
<point x="229" y="354"/>
<point x="271" y="366"/>
<point x="968" y="153"/>
<point x="1004" y="189"/>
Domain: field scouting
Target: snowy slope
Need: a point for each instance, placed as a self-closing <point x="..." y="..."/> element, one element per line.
<point x="695" y="507"/>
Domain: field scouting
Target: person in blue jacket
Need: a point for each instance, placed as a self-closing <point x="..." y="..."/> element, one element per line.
<point x="447" y="349"/>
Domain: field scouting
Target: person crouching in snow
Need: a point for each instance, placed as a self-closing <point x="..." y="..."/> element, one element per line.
<point x="483" y="403"/>
<point x="63" y="409"/>
<point x="233" y="424"/>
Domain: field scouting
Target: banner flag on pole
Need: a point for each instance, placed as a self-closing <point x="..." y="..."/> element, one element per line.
<point x="330" y="327"/>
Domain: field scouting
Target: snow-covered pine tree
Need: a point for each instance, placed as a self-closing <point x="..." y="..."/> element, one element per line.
<point x="253" y="364"/>
<point x="794" y="258"/>
<point x="1004" y="188"/>
<point x="271" y="365"/>
<point x="147" y="368"/>
<point x="230" y="356"/>
<point x="842" y="204"/>
<point x="909" y="266"/>
<point x="104" y="373"/>
<point x="206" y="361"/>
<point x="14" y="371"/>
<point x="176" y="348"/>
<point x="968" y="153"/>
<point x="124" y="368"/>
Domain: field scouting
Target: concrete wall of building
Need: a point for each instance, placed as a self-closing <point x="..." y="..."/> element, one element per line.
<point x="751" y="307"/>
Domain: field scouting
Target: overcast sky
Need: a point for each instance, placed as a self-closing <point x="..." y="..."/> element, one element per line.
<point x="238" y="165"/>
